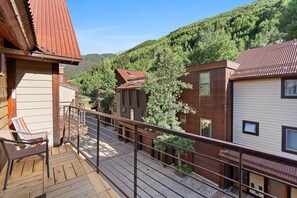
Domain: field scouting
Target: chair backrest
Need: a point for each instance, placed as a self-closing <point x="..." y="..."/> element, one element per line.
<point x="20" y="124"/>
<point x="9" y="147"/>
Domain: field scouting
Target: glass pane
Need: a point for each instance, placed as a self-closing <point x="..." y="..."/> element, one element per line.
<point x="205" y="127"/>
<point x="204" y="78"/>
<point x="205" y="90"/>
<point x="291" y="87"/>
<point x="250" y="127"/>
<point x="291" y="139"/>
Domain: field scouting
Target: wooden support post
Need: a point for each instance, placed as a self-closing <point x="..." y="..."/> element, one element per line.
<point x="56" y="105"/>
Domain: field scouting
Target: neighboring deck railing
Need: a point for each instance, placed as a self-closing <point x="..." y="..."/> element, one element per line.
<point x="91" y="142"/>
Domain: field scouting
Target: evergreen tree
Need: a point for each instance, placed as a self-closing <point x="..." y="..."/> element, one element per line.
<point x="164" y="87"/>
<point x="288" y="20"/>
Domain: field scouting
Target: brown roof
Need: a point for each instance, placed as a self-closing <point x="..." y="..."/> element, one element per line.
<point x="129" y="75"/>
<point x="279" y="170"/>
<point x="54" y="31"/>
<point x="271" y="61"/>
<point x="213" y="65"/>
<point x="132" y="84"/>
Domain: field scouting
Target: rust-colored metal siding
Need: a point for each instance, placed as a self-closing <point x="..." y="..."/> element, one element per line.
<point x="216" y="107"/>
<point x="271" y="61"/>
<point x="54" y="31"/>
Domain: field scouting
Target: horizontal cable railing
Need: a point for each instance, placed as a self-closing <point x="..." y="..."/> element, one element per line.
<point x="124" y="152"/>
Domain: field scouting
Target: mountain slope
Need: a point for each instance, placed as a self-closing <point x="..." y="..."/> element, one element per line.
<point x="88" y="61"/>
<point x="248" y="26"/>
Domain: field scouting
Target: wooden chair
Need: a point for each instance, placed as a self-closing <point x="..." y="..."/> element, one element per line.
<point x="12" y="151"/>
<point x="25" y="134"/>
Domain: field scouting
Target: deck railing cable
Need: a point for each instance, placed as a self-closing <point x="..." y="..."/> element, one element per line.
<point x="125" y="167"/>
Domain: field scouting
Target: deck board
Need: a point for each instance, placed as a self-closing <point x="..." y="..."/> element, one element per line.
<point x="70" y="176"/>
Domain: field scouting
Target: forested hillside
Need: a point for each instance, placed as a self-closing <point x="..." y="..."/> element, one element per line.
<point x="217" y="38"/>
<point x="89" y="60"/>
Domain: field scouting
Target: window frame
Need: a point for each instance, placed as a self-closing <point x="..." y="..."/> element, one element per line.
<point x="283" y="88"/>
<point x="248" y="132"/>
<point x="209" y="127"/>
<point x="284" y="139"/>
<point x="200" y="84"/>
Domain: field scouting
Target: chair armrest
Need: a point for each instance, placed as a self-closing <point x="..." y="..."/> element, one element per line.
<point x="22" y="142"/>
<point x="37" y="133"/>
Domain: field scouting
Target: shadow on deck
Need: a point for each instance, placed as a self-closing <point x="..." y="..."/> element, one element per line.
<point x="70" y="176"/>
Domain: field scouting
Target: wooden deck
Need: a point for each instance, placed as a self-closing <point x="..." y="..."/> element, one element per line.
<point x="70" y="176"/>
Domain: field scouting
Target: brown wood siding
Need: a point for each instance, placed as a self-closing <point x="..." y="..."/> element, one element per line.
<point x="215" y="107"/>
<point x="139" y="107"/>
<point x="3" y="113"/>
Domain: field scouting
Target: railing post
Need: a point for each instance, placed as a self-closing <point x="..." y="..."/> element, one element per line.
<point x="240" y="175"/>
<point x="135" y="160"/>
<point x="69" y="123"/>
<point x="78" y="126"/>
<point x="98" y="143"/>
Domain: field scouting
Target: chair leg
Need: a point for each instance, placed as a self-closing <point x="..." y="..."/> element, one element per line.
<point x="47" y="160"/>
<point x="7" y="174"/>
<point x="11" y="167"/>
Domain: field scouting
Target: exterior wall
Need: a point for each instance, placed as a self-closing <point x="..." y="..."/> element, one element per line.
<point x="217" y="108"/>
<point x="117" y="105"/>
<point x="34" y="99"/>
<point x="260" y="101"/>
<point x="293" y="192"/>
<point x="135" y="99"/>
<point x="66" y="94"/>
<point x="3" y="113"/>
<point x="258" y="182"/>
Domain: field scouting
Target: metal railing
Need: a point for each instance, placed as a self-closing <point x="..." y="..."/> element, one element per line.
<point x="139" y="173"/>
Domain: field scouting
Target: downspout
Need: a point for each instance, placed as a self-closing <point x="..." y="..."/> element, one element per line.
<point x="20" y="21"/>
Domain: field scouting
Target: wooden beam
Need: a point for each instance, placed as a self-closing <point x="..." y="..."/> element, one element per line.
<point x="56" y="110"/>
<point x="11" y="86"/>
<point x="12" y="51"/>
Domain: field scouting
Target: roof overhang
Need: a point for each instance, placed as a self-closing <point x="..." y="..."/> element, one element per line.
<point x="16" y="24"/>
<point x="214" y="65"/>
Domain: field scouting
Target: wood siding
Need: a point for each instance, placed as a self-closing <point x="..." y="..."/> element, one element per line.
<point x="34" y="95"/>
<point x="3" y="113"/>
<point x="215" y="107"/>
<point x="260" y="101"/>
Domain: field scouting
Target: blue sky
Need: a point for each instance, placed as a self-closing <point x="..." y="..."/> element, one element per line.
<point x="111" y="26"/>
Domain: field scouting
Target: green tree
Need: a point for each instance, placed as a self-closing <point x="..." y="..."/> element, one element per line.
<point x="164" y="87"/>
<point x="288" y="19"/>
<point x="101" y="77"/>
<point x="212" y="46"/>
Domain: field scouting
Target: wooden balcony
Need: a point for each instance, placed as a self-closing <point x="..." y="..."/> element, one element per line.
<point x="70" y="176"/>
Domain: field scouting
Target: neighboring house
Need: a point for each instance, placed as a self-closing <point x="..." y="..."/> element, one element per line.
<point x="265" y="111"/>
<point x="211" y="96"/>
<point x="68" y="94"/>
<point x="130" y="103"/>
<point x="33" y="41"/>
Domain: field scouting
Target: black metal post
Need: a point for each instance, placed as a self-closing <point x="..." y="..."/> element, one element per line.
<point x="135" y="161"/>
<point x="98" y="143"/>
<point x="78" y="126"/>
<point x="240" y="175"/>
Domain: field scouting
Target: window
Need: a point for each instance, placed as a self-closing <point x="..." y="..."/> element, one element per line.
<point x="183" y="118"/>
<point x="205" y="127"/>
<point x="289" y="88"/>
<point x="250" y="127"/>
<point x="132" y="117"/>
<point x="204" y="84"/>
<point x="289" y="140"/>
